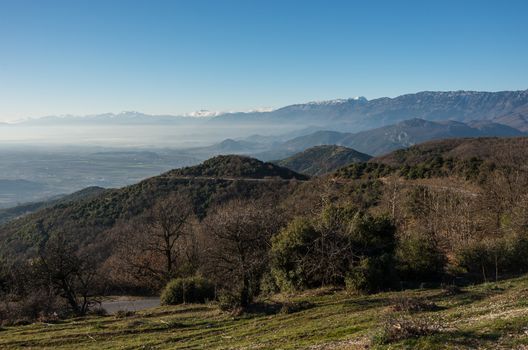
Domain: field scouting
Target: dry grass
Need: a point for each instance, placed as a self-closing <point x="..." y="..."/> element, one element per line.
<point x="486" y="316"/>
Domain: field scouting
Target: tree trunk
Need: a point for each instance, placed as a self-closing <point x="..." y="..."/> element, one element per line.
<point x="244" y="295"/>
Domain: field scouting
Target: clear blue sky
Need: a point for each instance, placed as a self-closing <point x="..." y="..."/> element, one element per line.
<point x="83" y="57"/>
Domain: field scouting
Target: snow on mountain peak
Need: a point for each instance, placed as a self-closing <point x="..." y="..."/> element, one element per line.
<point x="203" y="113"/>
<point x="338" y="101"/>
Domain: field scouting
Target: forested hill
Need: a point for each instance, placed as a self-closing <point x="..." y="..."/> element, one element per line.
<point x="235" y="166"/>
<point x="215" y="181"/>
<point x="503" y="150"/>
<point x="323" y="159"/>
<point x="24" y="209"/>
<point x="469" y="158"/>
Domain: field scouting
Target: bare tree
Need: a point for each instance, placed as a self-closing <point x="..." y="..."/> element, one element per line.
<point x="72" y="274"/>
<point x="153" y="245"/>
<point x="167" y="222"/>
<point x="238" y="240"/>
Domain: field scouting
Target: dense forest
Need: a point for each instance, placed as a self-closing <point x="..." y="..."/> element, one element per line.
<point x="234" y="229"/>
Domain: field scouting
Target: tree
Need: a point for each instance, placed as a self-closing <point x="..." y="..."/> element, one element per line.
<point x="238" y="237"/>
<point x="166" y="223"/>
<point x="153" y="245"/>
<point x="69" y="272"/>
<point x="341" y="245"/>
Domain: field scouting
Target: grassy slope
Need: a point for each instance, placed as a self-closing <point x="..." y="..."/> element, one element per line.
<point x="492" y="315"/>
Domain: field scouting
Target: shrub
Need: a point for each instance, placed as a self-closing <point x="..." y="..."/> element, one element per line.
<point x="372" y="260"/>
<point x="268" y="284"/>
<point x="372" y="274"/>
<point x="188" y="290"/>
<point x="411" y="305"/>
<point x="229" y="302"/>
<point x="490" y="259"/>
<point x="397" y="328"/>
<point x="419" y="259"/>
<point x="289" y="252"/>
<point x="341" y="247"/>
<point x="516" y="246"/>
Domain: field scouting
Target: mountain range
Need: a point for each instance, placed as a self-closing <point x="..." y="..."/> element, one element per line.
<point x="353" y="114"/>
<point x="360" y="114"/>
<point x="389" y="138"/>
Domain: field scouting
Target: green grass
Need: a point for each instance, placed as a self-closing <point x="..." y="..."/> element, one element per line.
<point x="491" y="316"/>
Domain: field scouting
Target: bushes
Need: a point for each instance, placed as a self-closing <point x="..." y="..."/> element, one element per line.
<point x="419" y="258"/>
<point x="489" y="259"/>
<point x="290" y="252"/>
<point x="371" y="274"/>
<point x="188" y="290"/>
<point x="228" y="301"/>
<point x="401" y="327"/>
<point x="411" y="305"/>
<point x="341" y="246"/>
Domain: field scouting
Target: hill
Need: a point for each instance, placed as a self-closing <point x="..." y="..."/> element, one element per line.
<point x="234" y="166"/>
<point x="488" y="316"/>
<point x="469" y="158"/>
<point x="321" y="160"/>
<point x="517" y="120"/>
<point x="214" y="181"/>
<point x="404" y="134"/>
<point x="503" y="150"/>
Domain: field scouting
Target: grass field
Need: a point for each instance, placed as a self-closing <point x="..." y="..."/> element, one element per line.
<point x="493" y="316"/>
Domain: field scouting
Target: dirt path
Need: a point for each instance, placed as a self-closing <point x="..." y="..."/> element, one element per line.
<point x="130" y="304"/>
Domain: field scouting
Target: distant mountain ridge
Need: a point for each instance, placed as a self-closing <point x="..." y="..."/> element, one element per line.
<point x="361" y="114"/>
<point x="352" y="114"/>
<point x="389" y="138"/>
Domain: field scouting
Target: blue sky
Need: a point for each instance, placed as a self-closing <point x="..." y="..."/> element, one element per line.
<point x="83" y="57"/>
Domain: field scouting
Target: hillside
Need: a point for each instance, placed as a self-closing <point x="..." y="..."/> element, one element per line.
<point x="517" y="119"/>
<point x="403" y="134"/>
<point x="504" y="150"/>
<point x="214" y="181"/>
<point x="321" y="160"/>
<point x="488" y="316"/>
<point x="468" y="158"/>
<point x="232" y="166"/>
<point x="442" y="211"/>
<point x="24" y="209"/>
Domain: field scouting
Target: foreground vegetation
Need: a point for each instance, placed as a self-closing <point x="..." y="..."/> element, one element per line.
<point x="235" y="230"/>
<point x="493" y="315"/>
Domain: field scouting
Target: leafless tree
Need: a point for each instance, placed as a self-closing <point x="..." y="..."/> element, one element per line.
<point x="72" y="274"/>
<point x="153" y="246"/>
<point x="238" y="240"/>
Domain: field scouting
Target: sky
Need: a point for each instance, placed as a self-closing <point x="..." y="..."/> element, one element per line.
<point x="174" y="57"/>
